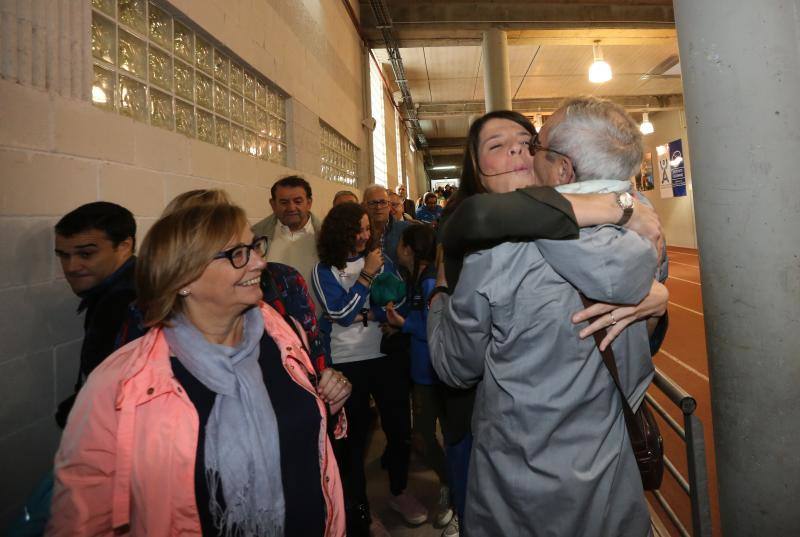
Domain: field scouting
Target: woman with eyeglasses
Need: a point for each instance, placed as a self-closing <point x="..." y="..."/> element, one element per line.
<point x="211" y="423"/>
<point x="284" y="287"/>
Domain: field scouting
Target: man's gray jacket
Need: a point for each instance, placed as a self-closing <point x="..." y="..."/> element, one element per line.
<point x="551" y="455"/>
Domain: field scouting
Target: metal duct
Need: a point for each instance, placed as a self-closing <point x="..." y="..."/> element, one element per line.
<point x="384" y="24"/>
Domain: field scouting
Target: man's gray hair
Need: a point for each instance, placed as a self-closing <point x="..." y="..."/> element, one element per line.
<point x="601" y="138"/>
<point x="374" y="187"/>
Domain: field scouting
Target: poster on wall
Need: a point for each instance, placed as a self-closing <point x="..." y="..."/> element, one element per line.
<point x="677" y="168"/>
<point x="671" y="169"/>
<point x="664" y="178"/>
<point x="644" y="179"/>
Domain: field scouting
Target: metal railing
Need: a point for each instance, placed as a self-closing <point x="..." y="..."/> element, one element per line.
<point x="696" y="484"/>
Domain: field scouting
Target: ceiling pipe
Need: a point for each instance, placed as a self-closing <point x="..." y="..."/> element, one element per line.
<point x="413" y="128"/>
<point x="383" y="22"/>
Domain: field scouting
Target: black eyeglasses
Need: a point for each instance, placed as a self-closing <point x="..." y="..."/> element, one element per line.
<point x="378" y="203"/>
<point x="536" y="146"/>
<point x="239" y="255"/>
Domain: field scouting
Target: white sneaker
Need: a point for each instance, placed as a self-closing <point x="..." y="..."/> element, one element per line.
<point x="444" y="511"/>
<point x="452" y="529"/>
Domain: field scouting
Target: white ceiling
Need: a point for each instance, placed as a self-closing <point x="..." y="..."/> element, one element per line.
<point x="453" y="74"/>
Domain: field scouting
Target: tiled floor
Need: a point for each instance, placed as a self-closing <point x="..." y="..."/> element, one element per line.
<point x="422" y="482"/>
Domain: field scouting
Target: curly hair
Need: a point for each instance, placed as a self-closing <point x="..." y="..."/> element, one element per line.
<point x="337" y="237"/>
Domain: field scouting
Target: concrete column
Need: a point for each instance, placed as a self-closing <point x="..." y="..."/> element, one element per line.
<point x="496" y="82"/>
<point x="741" y="76"/>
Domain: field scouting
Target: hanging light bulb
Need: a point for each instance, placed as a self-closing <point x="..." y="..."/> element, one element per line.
<point x="600" y="71"/>
<point x="646" y="127"/>
<point x="537" y="121"/>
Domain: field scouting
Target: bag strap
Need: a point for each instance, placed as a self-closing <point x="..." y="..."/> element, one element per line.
<point x="634" y="431"/>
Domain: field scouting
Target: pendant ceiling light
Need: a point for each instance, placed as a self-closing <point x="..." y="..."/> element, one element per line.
<point x="600" y="71"/>
<point x="646" y="127"/>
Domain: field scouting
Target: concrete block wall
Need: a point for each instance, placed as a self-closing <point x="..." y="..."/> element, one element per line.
<point x="58" y="151"/>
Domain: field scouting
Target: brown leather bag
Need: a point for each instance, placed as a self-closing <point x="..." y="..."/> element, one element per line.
<point x="648" y="447"/>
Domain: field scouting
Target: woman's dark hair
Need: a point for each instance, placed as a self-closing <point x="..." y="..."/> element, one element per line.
<point x="470" y="183"/>
<point x="337" y="237"/>
<point x="422" y="240"/>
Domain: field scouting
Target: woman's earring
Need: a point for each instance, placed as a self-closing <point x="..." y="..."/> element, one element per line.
<point x="184" y="292"/>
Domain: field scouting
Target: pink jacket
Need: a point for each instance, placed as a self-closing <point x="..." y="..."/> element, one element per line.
<point x="127" y="456"/>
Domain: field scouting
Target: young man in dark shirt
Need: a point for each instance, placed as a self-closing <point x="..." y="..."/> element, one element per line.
<point x="95" y="244"/>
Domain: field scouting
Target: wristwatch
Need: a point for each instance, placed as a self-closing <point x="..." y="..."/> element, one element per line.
<point x="625" y="202"/>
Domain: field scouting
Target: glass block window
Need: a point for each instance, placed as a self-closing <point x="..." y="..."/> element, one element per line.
<point x="339" y="157"/>
<point x="157" y="68"/>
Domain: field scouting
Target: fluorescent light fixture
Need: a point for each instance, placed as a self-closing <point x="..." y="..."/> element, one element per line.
<point x="537" y="121"/>
<point x="448" y="167"/>
<point x="600" y="71"/>
<point x="646" y="127"/>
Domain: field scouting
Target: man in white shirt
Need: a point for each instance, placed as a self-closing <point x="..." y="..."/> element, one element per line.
<point x="291" y="229"/>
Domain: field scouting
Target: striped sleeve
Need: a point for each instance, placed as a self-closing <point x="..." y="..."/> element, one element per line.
<point x="340" y="305"/>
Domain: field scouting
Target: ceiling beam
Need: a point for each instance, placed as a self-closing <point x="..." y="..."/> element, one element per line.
<point x="461" y="22"/>
<point x="632" y="103"/>
<point x="459" y="37"/>
<point x="439" y="143"/>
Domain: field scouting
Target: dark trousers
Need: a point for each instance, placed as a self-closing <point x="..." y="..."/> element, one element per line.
<point x="458" y="456"/>
<point x="387" y="380"/>
<point x="428" y="408"/>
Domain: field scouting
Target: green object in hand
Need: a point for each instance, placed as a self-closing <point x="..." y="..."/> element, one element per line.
<point x="386" y="287"/>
